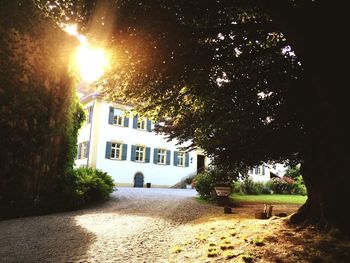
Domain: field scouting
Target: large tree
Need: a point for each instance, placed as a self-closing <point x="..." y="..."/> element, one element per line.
<point x="39" y="116"/>
<point x="247" y="81"/>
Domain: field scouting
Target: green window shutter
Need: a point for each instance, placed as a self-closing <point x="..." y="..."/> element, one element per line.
<point x="187" y="160"/>
<point x="168" y="157"/>
<point x="79" y="150"/>
<point x="148" y="154"/>
<point x="126" y="121"/>
<point x="133" y="153"/>
<point x="175" y="158"/>
<point x="134" y="122"/>
<point x="149" y="125"/>
<point x="111" y="115"/>
<point x="124" y="151"/>
<point x="108" y="150"/>
<point x="155" y="155"/>
<point x="263" y="169"/>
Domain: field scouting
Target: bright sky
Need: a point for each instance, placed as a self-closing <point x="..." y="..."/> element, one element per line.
<point x="91" y="62"/>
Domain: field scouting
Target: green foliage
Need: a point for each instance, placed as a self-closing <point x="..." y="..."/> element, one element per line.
<point x="204" y="186"/>
<point x="299" y="187"/>
<point x="39" y="114"/>
<point x="216" y="176"/>
<point x="90" y="185"/>
<point x="249" y="187"/>
<point x="293" y="172"/>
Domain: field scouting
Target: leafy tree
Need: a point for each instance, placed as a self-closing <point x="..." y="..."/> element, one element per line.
<point x="247" y="81"/>
<point x="39" y="115"/>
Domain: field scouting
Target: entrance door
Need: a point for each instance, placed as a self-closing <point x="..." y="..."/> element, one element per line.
<point x="138" y="180"/>
<point x="200" y="163"/>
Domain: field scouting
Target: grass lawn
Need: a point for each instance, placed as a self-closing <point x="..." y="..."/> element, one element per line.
<point x="279" y="199"/>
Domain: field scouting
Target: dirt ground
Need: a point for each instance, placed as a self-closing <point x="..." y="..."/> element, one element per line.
<point x="164" y="225"/>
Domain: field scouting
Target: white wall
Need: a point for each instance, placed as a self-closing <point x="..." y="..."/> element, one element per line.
<point x="124" y="171"/>
<point x="260" y="177"/>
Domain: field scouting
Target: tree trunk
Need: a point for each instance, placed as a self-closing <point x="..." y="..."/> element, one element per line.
<point x="315" y="30"/>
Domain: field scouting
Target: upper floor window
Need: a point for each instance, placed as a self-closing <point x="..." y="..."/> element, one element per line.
<point x="117" y="117"/>
<point x="141" y="123"/>
<point x="88" y="112"/>
<point x="83" y="150"/>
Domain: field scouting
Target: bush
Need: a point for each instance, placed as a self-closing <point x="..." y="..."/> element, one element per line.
<point x="206" y="182"/>
<point x="280" y="186"/>
<point x="90" y="185"/>
<point x="204" y="186"/>
<point x="299" y="186"/>
<point x="249" y="187"/>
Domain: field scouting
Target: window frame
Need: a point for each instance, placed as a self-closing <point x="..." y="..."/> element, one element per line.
<point x="138" y="152"/>
<point x="115" y="149"/>
<point x="83" y="150"/>
<point x="161" y="153"/>
<point x="181" y="156"/>
<point x="119" y="117"/>
<point x="141" y="121"/>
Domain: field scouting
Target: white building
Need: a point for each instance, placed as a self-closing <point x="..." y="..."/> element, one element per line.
<point x="126" y="148"/>
<point x="263" y="173"/>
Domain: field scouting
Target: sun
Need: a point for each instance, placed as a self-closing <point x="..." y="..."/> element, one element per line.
<point x="92" y="62"/>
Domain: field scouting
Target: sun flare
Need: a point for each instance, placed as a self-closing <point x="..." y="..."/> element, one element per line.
<point x="91" y="62"/>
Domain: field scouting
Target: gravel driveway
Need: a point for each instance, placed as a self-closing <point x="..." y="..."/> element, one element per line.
<point x="136" y="225"/>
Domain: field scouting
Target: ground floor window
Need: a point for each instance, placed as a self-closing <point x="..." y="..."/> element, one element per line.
<point x="161" y="158"/>
<point x="140" y="153"/>
<point x="181" y="159"/>
<point x="116" y="150"/>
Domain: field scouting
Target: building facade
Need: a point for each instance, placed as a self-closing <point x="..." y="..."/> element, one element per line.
<point x="125" y="147"/>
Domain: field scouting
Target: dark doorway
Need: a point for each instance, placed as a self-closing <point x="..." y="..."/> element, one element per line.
<point x="138" y="180"/>
<point x="200" y="163"/>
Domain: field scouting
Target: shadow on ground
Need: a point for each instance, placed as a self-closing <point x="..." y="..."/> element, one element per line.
<point x="49" y="238"/>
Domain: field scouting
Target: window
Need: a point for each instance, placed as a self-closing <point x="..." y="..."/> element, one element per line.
<point x="161" y="157"/>
<point x="181" y="159"/>
<point x="141" y="124"/>
<point x="116" y="150"/>
<point x="118" y="116"/>
<point x="88" y="112"/>
<point x="140" y="153"/>
<point x="83" y="149"/>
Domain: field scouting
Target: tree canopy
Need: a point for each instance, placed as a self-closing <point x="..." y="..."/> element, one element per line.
<point x="247" y="81"/>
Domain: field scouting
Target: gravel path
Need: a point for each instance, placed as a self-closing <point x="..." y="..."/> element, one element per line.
<point x="136" y="225"/>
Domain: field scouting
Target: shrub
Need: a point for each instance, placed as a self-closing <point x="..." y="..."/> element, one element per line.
<point x="206" y="182"/>
<point x="282" y="185"/>
<point x="249" y="187"/>
<point x="299" y="186"/>
<point x="90" y="185"/>
<point x="204" y="186"/>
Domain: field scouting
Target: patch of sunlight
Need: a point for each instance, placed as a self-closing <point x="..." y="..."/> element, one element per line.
<point x="111" y="224"/>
